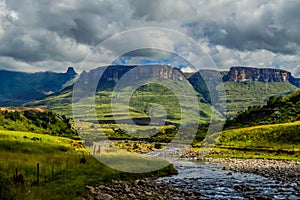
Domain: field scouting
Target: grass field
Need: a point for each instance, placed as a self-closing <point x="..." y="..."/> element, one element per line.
<point x="61" y="176"/>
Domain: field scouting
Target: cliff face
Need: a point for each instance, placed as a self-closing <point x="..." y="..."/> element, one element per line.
<point x="242" y="74"/>
<point x="107" y="77"/>
<point x="114" y="73"/>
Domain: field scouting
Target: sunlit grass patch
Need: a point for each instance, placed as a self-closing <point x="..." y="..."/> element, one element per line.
<point x="131" y="162"/>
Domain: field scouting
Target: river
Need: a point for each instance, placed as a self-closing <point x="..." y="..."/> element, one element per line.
<point x="213" y="182"/>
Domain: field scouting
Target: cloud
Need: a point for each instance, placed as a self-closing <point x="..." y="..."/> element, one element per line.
<point x="256" y="33"/>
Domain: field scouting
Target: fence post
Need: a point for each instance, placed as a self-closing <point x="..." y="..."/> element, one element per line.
<point x="52" y="171"/>
<point x="37" y="173"/>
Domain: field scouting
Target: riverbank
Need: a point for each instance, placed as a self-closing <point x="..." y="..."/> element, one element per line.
<point x="139" y="189"/>
<point x="280" y="170"/>
<point x="210" y="179"/>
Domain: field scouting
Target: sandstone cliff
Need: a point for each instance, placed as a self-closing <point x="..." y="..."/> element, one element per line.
<point x="244" y="74"/>
<point x="112" y="74"/>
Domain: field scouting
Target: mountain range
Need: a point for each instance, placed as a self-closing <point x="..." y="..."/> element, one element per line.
<point x="19" y="87"/>
<point x="244" y="86"/>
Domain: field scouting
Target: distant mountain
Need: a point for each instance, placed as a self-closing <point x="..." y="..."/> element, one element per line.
<point x="104" y="80"/>
<point x="19" y="87"/>
<point x="244" y="86"/>
<point x="107" y="77"/>
<point x="246" y="89"/>
<point x="246" y="74"/>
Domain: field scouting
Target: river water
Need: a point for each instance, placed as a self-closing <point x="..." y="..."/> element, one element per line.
<point x="213" y="182"/>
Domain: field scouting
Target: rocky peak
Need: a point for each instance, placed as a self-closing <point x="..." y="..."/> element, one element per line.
<point x="243" y="74"/>
<point x="71" y="71"/>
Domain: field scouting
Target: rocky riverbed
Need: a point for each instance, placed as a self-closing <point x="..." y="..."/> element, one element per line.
<point x="212" y="179"/>
<point x="208" y="178"/>
<point x="285" y="171"/>
<point x="140" y="189"/>
<point x="281" y="170"/>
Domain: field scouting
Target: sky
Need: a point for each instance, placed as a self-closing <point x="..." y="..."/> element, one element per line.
<point x="52" y="35"/>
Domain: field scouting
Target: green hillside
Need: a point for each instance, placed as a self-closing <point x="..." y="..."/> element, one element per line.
<point x="274" y="141"/>
<point x="239" y="96"/>
<point x="269" y="131"/>
<point x="62" y="174"/>
<point x="31" y="137"/>
<point x="141" y="100"/>
<point x="277" y="110"/>
<point x="36" y="121"/>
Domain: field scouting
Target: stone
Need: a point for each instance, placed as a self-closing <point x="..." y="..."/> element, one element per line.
<point x="107" y="196"/>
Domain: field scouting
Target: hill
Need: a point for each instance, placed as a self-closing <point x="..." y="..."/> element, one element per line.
<point x="39" y="166"/>
<point x="246" y="74"/>
<point x="277" y="110"/>
<point x="239" y="96"/>
<point x="19" y="87"/>
<point x="270" y="131"/>
<point x="36" y="120"/>
<point x="273" y="141"/>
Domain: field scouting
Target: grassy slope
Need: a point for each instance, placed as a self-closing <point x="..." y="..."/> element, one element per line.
<point x="277" y="110"/>
<point x="61" y="174"/>
<point x="270" y="131"/>
<point x="140" y="103"/>
<point x="276" y="141"/>
<point x="141" y="100"/>
<point x="239" y="96"/>
<point x="36" y="120"/>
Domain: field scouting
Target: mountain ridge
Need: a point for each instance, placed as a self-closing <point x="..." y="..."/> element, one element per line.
<point x="237" y="95"/>
<point x="21" y="87"/>
<point x="244" y="74"/>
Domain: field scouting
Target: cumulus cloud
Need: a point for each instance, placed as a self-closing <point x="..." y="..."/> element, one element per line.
<point x="46" y="35"/>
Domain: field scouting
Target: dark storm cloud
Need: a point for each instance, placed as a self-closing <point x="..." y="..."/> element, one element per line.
<point x="85" y="21"/>
<point x="46" y="30"/>
<point x="35" y="32"/>
<point x="251" y="25"/>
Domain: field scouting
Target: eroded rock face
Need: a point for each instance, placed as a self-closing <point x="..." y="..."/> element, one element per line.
<point x="243" y="74"/>
<point x="107" y="77"/>
<point x="114" y="73"/>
